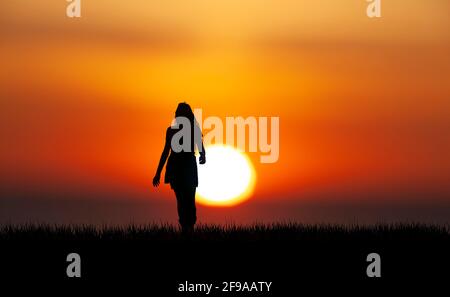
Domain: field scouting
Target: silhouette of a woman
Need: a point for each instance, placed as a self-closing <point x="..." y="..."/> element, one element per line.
<point x="181" y="168"/>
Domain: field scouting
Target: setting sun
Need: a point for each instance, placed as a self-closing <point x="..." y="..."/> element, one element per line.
<point x="227" y="178"/>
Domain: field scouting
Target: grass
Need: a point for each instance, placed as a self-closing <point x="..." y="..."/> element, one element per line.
<point x="163" y="255"/>
<point x="255" y="232"/>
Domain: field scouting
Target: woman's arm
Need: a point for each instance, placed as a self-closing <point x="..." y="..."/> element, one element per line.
<point x="162" y="161"/>
<point x="198" y="138"/>
<point x="202" y="159"/>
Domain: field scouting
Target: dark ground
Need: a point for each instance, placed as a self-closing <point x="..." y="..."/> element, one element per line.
<point x="291" y="256"/>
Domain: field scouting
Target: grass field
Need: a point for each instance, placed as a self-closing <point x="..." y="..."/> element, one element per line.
<point x="160" y="256"/>
<point x="256" y="232"/>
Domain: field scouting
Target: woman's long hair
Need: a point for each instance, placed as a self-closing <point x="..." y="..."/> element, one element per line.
<point x="185" y="110"/>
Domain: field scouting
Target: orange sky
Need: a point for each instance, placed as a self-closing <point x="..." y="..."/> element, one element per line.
<point x="364" y="104"/>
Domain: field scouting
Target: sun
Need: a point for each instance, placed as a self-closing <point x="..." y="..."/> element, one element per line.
<point x="227" y="178"/>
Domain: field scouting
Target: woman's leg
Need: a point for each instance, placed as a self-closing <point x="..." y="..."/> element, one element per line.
<point x="191" y="211"/>
<point x="179" y="193"/>
<point x="186" y="206"/>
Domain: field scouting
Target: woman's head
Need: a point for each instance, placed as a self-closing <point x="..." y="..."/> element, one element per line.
<point x="184" y="110"/>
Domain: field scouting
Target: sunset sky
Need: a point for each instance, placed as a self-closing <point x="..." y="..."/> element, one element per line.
<point x="364" y="106"/>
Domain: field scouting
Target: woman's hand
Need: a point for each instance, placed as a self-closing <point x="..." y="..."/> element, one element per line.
<point x="156" y="180"/>
<point x="202" y="159"/>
